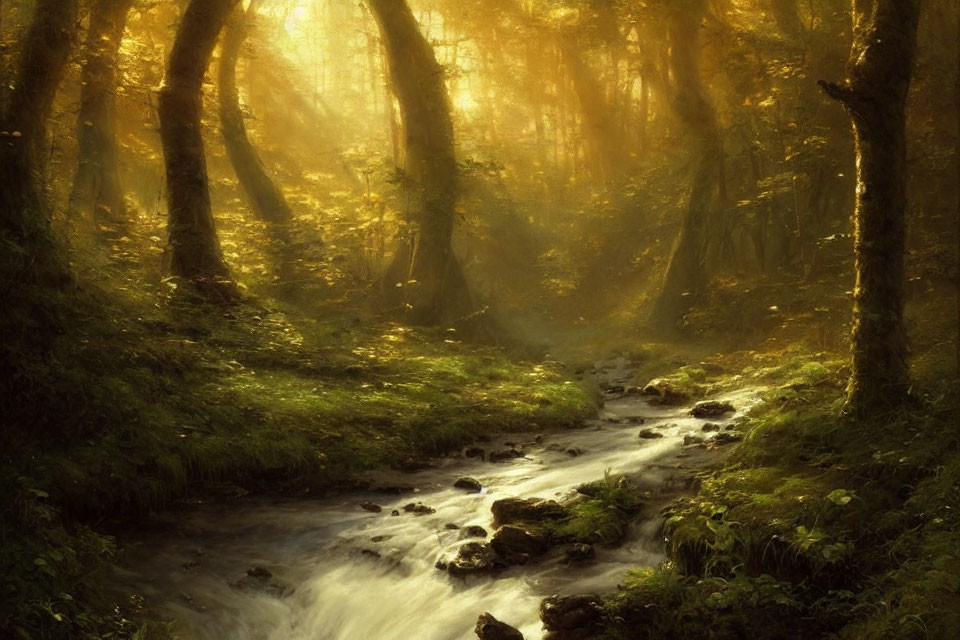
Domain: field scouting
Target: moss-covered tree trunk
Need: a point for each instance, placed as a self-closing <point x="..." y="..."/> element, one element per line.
<point x="28" y="254"/>
<point x="266" y="199"/>
<point x="685" y="275"/>
<point x="426" y="272"/>
<point x="194" y="251"/>
<point x="875" y="95"/>
<point x="97" y="190"/>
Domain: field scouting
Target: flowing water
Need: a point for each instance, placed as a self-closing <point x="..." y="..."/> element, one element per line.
<point x="340" y="572"/>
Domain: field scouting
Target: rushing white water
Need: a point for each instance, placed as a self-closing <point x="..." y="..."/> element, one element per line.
<point x="336" y="589"/>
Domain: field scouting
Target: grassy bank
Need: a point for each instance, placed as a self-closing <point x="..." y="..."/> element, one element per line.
<point x="818" y="526"/>
<point x="156" y="404"/>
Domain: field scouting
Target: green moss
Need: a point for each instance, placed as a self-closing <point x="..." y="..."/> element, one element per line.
<point x="604" y="517"/>
<point x="819" y="523"/>
<point x="131" y="412"/>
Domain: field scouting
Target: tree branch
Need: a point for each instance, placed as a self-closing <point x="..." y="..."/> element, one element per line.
<point x="841" y="93"/>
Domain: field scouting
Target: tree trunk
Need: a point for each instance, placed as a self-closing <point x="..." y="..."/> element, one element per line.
<point x="194" y="250"/>
<point x="429" y="276"/>
<point x="31" y="255"/>
<point x="685" y="274"/>
<point x="96" y="185"/>
<point x="875" y="94"/>
<point x="266" y="200"/>
<point x="604" y="138"/>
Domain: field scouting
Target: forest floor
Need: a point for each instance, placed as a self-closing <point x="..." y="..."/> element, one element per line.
<point x="815" y="522"/>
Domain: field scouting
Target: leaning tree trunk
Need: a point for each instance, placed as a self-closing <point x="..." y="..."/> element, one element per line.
<point x="427" y="271"/>
<point x="266" y="199"/>
<point x="686" y="275"/>
<point x="96" y="187"/>
<point x="875" y="94"/>
<point x="30" y="255"/>
<point x="194" y="249"/>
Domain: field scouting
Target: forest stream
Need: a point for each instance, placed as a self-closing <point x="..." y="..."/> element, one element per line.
<point x="330" y="569"/>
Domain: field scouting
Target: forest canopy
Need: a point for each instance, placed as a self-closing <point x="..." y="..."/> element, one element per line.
<point x="264" y="247"/>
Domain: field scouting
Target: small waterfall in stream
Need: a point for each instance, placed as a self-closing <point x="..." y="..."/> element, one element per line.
<point x="340" y="572"/>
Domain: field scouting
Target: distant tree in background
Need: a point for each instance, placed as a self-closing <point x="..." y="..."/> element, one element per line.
<point x="266" y="199"/>
<point x="96" y="186"/>
<point x="194" y="250"/>
<point x="875" y="95"/>
<point x="425" y="270"/>
<point x="690" y="100"/>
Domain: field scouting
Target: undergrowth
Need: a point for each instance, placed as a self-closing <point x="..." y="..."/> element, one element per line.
<point x="129" y="410"/>
<point x="817" y="524"/>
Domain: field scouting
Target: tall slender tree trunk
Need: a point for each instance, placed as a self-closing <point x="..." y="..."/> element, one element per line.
<point x="875" y="94"/>
<point x="96" y="186"/>
<point x="427" y="271"/>
<point x="956" y="153"/>
<point x="265" y="197"/>
<point x="685" y="275"/>
<point x="194" y="249"/>
<point x="604" y="137"/>
<point x="30" y="255"/>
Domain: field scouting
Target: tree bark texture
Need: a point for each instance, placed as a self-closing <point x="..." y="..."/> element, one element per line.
<point x="266" y="199"/>
<point x="194" y="250"/>
<point x="685" y="275"/>
<point x="427" y="271"/>
<point x="875" y="94"/>
<point x="97" y="189"/>
<point x="29" y="253"/>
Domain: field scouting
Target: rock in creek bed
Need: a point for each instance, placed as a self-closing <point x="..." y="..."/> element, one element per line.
<point x="516" y="544"/>
<point x="469" y="484"/>
<point x="489" y="628"/>
<point x="504" y="454"/>
<point x="579" y="553"/>
<point x="571" y="617"/>
<point x="512" y="510"/>
<point x="419" y="509"/>
<point x="473" y="531"/>
<point x="711" y="409"/>
<point x="649" y="434"/>
<point x="472" y="558"/>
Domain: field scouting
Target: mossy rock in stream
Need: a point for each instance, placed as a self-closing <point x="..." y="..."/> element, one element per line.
<point x="514" y="510"/>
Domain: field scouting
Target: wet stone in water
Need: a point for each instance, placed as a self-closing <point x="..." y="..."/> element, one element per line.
<point x="371" y="507"/>
<point x="259" y="573"/>
<point x="473" y="531"/>
<point x="469" y="484"/>
<point x="650" y="434"/>
<point x="579" y="553"/>
<point x="474" y="452"/>
<point x="511" y="510"/>
<point x="516" y="544"/>
<point x="727" y="437"/>
<point x="505" y="454"/>
<point x="489" y="628"/>
<point x="571" y="617"/>
<point x="419" y="509"/>
<point x="711" y="409"/>
<point x="472" y="558"/>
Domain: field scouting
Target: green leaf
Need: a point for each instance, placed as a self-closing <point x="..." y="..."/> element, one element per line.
<point x="840" y="497"/>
